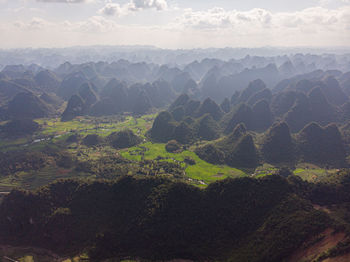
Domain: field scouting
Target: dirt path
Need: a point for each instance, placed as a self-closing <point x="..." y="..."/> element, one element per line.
<point x="322" y="208"/>
<point x="329" y="240"/>
<point x="344" y="258"/>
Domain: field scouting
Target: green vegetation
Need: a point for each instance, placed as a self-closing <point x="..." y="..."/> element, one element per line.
<point x="123" y="139"/>
<point x="201" y="171"/>
<point x="102" y="126"/>
<point x="53" y="130"/>
<point x="278" y="145"/>
<point x="200" y="181"/>
<point x="265" y="219"/>
<point x="264" y="170"/>
<point x="313" y="173"/>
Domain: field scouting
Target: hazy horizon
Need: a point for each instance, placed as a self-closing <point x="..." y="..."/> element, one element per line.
<point x="303" y="49"/>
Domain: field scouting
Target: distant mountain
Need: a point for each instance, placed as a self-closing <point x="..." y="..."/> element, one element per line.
<point x="28" y="105"/>
<point x="288" y="84"/>
<point x="322" y="145"/>
<point x="47" y="81"/>
<point x="70" y="85"/>
<point x="8" y="90"/>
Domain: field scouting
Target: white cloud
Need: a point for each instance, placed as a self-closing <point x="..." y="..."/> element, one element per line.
<point x="34" y="24"/>
<point x="146" y="4"/>
<point x="258" y="19"/>
<point x="63" y="1"/>
<point x="114" y="9"/>
<point x="333" y="2"/>
<point x="216" y="27"/>
<point x="220" y="18"/>
<point x="95" y="24"/>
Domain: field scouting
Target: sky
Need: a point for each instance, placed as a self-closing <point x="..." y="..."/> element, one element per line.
<point x="175" y="24"/>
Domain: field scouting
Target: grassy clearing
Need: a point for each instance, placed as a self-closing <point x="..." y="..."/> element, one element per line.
<point x="84" y="153"/>
<point x="12" y="144"/>
<point x="264" y="170"/>
<point x="27" y="259"/>
<point x="308" y="172"/>
<point x="202" y="170"/>
<point x="314" y="173"/>
<point x="35" y="179"/>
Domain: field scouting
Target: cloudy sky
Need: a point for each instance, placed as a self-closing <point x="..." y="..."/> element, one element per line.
<point x="175" y="23"/>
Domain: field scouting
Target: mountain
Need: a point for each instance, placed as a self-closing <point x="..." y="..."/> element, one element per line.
<point x="80" y="103"/>
<point x="28" y="105"/>
<point x="207" y="128"/>
<point x="75" y="107"/>
<point x="163" y="127"/>
<point x="278" y="146"/>
<point x="226" y="105"/>
<point x="52" y="99"/>
<point x="183" y="133"/>
<point x="70" y="85"/>
<point x="254" y="87"/>
<point x="262" y="115"/>
<point x="323" y="146"/>
<point x="333" y="92"/>
<point x="47" y="81"/>
<point x="282" y="102"/>
<point x="210" y="107"/>
<point x="8" y="90"/>
<point x="241" y="114"/>
<point x="244" y="154"/>
<point x="300" y="114"/>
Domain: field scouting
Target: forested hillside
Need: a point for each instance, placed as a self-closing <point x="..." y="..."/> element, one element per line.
<point x="213" y="160"/>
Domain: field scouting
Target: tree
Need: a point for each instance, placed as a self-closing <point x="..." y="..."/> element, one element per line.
<point x="123" y="139"/>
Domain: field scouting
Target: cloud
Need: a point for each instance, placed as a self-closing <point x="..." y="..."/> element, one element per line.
<point x="147" y="4"/>
<point x="92" y="25"/>
<point x="95" y="24"/>
<point x="333" y="2"/>
<point x="220" y="18"/>
<point x="35" y="23"/>
<point x="63" y="1"/>
<point x="260" y="19"/>
<point x="114" y="9"/>
<point x="216" y="27"/>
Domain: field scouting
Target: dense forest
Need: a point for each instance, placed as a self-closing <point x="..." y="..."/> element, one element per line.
<point x="212" y="160"/>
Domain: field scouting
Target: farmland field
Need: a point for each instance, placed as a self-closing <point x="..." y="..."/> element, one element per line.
<point x="201" y="170"/>
<point x="102" y="126"/>
<point x="53" y="133"/>
<point x="313" y="173"/>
